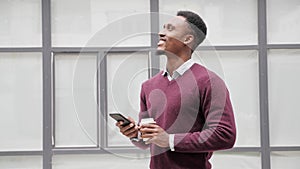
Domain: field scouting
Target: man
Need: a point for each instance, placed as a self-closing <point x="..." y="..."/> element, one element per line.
<point x="190" y="104"/>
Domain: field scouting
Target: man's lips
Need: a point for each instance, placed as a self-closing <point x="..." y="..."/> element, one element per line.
<point x="160" y="42"/>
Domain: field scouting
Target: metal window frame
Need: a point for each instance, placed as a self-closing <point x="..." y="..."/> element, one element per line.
<point x="263" y="84"/>
<point x="47" y="84"/>
<point x="47" y="50"/>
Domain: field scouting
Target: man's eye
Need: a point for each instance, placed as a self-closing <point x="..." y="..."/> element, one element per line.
<point x="170" y="27"/>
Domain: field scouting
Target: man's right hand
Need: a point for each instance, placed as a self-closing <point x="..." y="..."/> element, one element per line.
<point x="130" y="131"/>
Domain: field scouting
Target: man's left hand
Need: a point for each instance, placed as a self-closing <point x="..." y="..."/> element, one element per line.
<point x="156" y="135"/>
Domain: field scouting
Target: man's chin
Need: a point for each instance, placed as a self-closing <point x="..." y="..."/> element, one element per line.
<point x="160" y="52"/>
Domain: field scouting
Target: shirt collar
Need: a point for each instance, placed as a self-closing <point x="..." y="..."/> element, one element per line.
<point x="180" y="70"/>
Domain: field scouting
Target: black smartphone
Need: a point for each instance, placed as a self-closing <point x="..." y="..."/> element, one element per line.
<point x="120" y="117"/>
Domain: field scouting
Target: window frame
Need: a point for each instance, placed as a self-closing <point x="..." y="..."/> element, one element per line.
<point x="47" y="55"/>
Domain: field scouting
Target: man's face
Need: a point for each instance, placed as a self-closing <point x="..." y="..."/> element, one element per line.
<point x="172" y="36"/>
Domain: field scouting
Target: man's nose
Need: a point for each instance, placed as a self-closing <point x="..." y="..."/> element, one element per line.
<point x="161" y="33"/>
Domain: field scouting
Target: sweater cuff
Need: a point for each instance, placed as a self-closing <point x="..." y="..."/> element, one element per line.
<point x="136" y="139"/>
<point x="179" y="141"/>
<point x="171" y="142"/>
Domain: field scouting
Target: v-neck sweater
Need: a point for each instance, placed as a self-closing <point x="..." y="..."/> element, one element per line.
<point x="196" y="108"/>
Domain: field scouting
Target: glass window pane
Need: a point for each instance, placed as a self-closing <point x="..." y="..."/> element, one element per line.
<point x="239" y="69"/>
<point x="18" y="162"/>
<point x="288" y="160"/>
<point x="100" y="23"/>
<point x="227" y="23"/>
<point x="109" y="161"/>
<point x="247" y="160"/>
<point x="125" y="74"/>
<point x="21" y="101"/>
<point x="284" y="96"/>
<point x="75" y="100"/>
<point x="20" y="23"/>
<point x="283" y="21"/>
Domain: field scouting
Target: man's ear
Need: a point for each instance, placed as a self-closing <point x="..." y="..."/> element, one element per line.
<point x="188" y="39"/>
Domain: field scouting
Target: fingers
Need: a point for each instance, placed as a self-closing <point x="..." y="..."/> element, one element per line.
<point x="150" y="140"/>
<point x="149" y="131"/>
<point x="148" y="137"/>
<point x="149" y="126"/>
<point x="128" y="130"/>
<point x="132" y="133"/>
<point x="131" y="119"/>
<point x="119" y="124"/>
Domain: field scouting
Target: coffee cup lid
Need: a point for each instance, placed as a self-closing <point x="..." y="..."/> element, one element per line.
<point x="147" y="120"/>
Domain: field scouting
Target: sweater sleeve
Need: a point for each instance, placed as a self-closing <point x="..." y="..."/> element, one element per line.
<point x="143" y="114"/>
<point x="219" y="131"/>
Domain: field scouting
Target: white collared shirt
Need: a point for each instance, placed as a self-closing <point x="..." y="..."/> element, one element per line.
<point x="179" y="71"/>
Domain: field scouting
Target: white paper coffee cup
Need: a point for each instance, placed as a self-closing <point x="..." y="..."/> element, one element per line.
<point x="147" y="121"/>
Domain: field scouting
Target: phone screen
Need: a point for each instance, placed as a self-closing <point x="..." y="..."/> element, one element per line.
<point x="120" y="117"/>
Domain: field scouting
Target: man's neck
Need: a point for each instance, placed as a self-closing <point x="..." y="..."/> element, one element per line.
<point x="174" y="63"/>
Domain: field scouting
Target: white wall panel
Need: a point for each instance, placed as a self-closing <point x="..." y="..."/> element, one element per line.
<point x="21" y="101"/>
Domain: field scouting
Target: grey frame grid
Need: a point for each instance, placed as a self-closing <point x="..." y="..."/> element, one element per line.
<point x="48" y="51"/>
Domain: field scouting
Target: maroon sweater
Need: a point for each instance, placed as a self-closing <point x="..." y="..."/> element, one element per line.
<point x="196" y="108"/>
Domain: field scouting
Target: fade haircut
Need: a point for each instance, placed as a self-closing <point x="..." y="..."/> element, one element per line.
<point x="197" y="25"/>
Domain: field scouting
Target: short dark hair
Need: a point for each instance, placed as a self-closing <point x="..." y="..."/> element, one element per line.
<point x="197" y="26"/>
